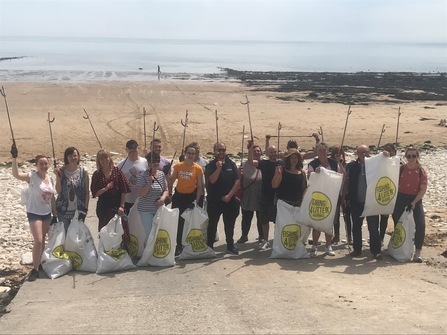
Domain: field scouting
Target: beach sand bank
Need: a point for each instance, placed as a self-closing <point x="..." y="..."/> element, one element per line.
<point x="116" y="110"/>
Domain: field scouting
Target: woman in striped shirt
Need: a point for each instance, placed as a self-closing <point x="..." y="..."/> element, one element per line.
<point x="153" y="190"/>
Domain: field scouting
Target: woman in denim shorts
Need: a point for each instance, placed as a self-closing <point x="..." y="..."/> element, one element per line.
<point x="40" y="205"/>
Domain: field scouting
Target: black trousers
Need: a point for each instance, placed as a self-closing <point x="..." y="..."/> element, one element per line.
<point x="347" y="219"/>
<point x="373" y="228"/>
<point x="247" y="216"/>
<point x="230" y="211"/>
<point x="182" y="201"/>
<point x="402" y="201"/>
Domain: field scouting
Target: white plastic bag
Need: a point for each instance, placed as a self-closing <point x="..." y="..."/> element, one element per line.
<point x="194" y="232"/>
<point x="55" y="261"/>
<point x="26" y="190"/>
<point x="160" y="245"/>
<point x="382" y="180"/>
<point x="79" y="240"/>
<point x="319" y="204"/>
<point x="137" y="232"/>
<point x="111" y="234"/>
<point x="401" y="243"/>
<point x="113" y="260"/>
<point x="289" y="238"/>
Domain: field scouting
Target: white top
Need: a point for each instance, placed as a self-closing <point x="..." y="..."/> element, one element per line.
<point x="39" y="201"/>
<point x="131" y="170"/>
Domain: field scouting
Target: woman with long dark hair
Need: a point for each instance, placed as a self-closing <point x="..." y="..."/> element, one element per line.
<point x="290" y="181"/>
<point x="412" y="187"/>
<point x="72" y="186"/>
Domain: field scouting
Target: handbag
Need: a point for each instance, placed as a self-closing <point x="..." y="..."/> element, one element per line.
<point x="26" y="191"/>
<point x="240" y="192"/>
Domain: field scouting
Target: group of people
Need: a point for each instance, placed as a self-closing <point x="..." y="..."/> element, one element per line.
<point x="252" y="188"/>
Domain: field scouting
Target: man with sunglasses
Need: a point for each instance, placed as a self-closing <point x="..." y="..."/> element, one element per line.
<point x="222" y="182"/>
<point x="355" y="187"/>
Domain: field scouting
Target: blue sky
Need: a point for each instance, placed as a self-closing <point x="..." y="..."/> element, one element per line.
<point x="282" y="20"/>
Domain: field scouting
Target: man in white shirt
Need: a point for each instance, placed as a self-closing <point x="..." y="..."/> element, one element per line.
<point x="131" y="167"/>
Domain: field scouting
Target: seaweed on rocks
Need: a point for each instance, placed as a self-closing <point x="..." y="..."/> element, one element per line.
<point x="347" y="88"/>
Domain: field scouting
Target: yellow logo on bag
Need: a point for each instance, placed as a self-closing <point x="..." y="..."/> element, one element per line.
<point x="75" y="259"/>
<point x="116" y="254"/>
<point x="385" y="191"/>
<point x="290" y="235"/>
<point x="398" y="237"/>
<point x="197" y="241"/>
<point x="162" y="245"/>
<point x="320" y="206"/>
<point x="61" y="253"/>
<point x="132" y="246"/>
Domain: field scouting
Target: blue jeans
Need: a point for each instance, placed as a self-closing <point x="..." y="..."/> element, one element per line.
<point x="146" y="220"/>
<point x="373" y="228"/>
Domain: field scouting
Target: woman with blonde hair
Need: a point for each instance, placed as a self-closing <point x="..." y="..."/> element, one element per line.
<point x="412" y="187"/>
<point x="39" y="206"/>
<point x="110" y="186"/>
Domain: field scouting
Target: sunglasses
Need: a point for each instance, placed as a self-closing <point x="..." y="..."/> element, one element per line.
<point x="222" y="150"/>
<point x="411" y="156"/>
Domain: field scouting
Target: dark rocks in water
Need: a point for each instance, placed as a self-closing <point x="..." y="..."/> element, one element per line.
<point x="350" y="88"/>
<point x="425" y="119"/>
<point x="140" y="68"/>
<point x="12" y="58"/>
<point x="428" y="107"/>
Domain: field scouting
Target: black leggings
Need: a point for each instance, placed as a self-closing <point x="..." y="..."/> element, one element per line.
<point x="182" y="201"/>
<point x="247" y="216"/>
<point x="402" y="201"/>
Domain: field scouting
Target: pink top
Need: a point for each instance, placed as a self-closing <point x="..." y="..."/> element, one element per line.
<point x="410" y="180"/>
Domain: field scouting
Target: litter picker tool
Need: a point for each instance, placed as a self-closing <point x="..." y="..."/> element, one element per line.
<point x="50" y="121"/>
<point x="87" y="117"/>
<point x="217" y="128"/>
<point x="182" y="139"/>
<point x="397" y="129"/>
<point x="179" y="143"/>
<point x="154" y="129"/>
<point x="144" y="127"/>
<point x="2" y="92"/>
<point x="243" y="135"/>
<point x="380" y="138"/>
<point x="320" y="132"/>
<point x="247" y="103"/>
<point x="291" y="136"/>
<point x="346" y="126"/>
<point x="279" y="130"/>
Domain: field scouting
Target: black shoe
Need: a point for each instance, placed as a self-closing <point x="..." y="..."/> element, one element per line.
<point x="33" y="275"/>
<point x="233" y="250"/>
<point x="378" y="256"/>
<point x="355" y="253"/>
<point x="243" y="239"/>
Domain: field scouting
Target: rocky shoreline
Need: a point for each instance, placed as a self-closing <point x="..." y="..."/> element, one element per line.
<point x="359" y="88"/>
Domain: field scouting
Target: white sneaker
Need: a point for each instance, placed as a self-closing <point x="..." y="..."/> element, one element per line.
<point x="417" y="257"/>
<point x="313" y="251"/>
<point x="329" y="251"/>
<point x="265" y="245"/>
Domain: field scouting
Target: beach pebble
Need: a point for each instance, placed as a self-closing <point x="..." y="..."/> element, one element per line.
<point x="27" y="258"/>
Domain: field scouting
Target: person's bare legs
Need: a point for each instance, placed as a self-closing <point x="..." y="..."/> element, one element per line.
<point x="38" y="229"/>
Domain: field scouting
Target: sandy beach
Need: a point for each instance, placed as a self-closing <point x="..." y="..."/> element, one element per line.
<point x="116" y="110"/>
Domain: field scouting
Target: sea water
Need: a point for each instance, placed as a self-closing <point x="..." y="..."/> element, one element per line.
<point x="98" y="59"/>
